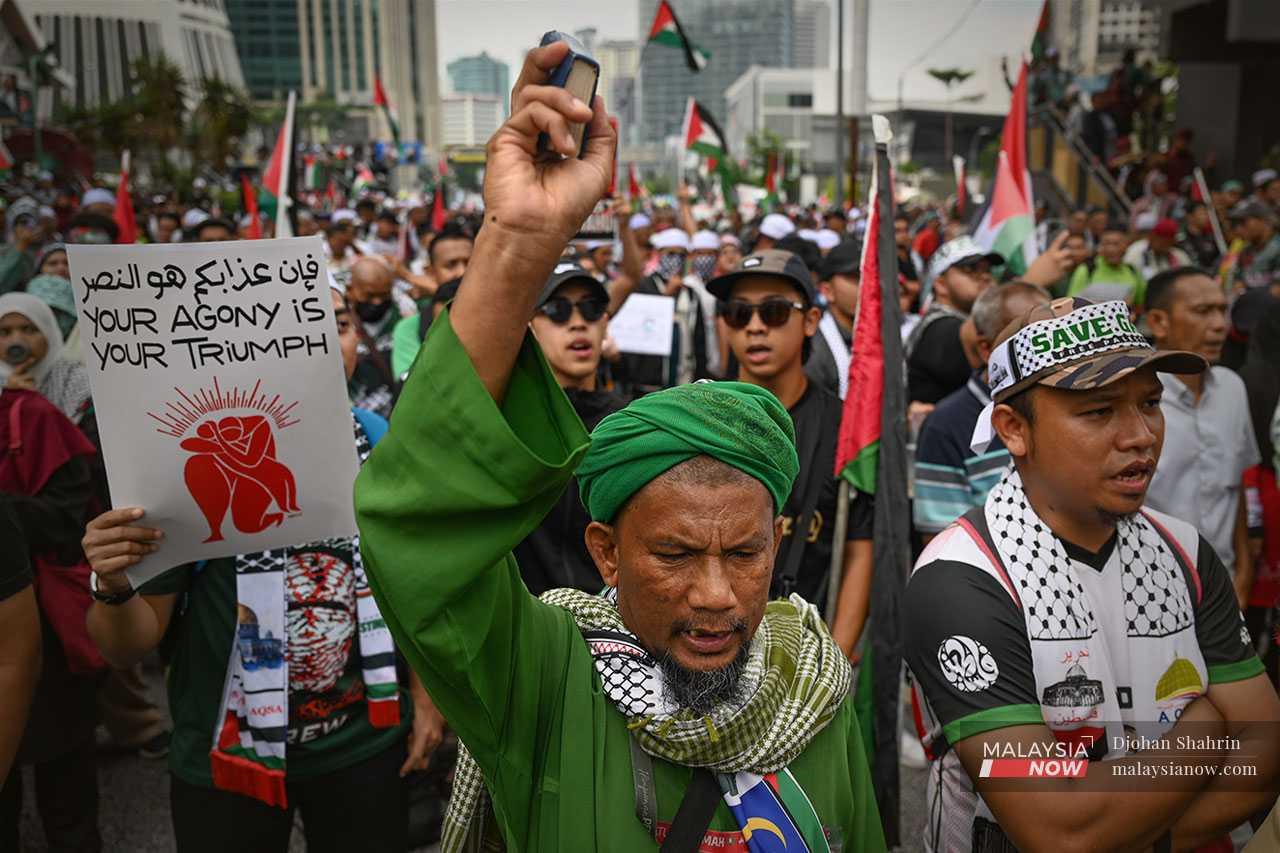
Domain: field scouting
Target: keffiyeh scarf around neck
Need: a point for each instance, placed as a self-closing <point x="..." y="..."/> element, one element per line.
<point x="791" y="687"/>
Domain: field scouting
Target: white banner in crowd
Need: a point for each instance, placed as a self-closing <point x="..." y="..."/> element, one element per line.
<point x="219" y="392"/>
<point x="644" y="324"/>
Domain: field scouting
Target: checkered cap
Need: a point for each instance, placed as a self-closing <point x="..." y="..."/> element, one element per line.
<point x="1073" y="344"/>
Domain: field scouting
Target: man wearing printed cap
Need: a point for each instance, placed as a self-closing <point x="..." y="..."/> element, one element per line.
<point x="688" y="359"/>
<point x="590" y="721"/>
<point x="936" y="363"/>
<point x="1064" y="618"/>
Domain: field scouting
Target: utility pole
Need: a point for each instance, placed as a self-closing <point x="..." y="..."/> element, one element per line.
<point x="840" y="128"/>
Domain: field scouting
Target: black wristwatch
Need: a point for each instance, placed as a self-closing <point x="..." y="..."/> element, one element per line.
<point x="112" y="599"/>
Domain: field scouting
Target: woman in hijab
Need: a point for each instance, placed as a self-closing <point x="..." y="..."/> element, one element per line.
<point x="32" y="356"/>
<point x="1261" y="375"/>
<point x="52" y="260"/>
<point x="55" y="291"/>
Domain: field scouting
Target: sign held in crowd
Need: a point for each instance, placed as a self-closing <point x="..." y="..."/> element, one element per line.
<point x="219" y="391"/>
<point x="643" y="325"/>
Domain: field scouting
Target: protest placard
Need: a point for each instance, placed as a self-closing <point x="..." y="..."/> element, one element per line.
<point x="643" y="324"/>
<point x="219" y="392"/>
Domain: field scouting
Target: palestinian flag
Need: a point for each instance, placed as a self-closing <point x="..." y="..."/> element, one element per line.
<point x="380" y="100"/>
<point x="634" y="190"/>
<point x="775" y="175"/>
<point x="1009" y="227"/>
<point x="249" y="201"/>
<point x="1040" y="41"/>
<point x="438" y="211"/>
<point x="962" y="192"/>
<point x="666" y="30"/>
<point x="871" y="456"/>
<point x="701" y="133"/>
<point x="278" y="180"/>
<point x="364" y="179"/>
<point x="123" y="214"/>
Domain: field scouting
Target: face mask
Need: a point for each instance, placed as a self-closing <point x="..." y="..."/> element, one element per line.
<point x="372" y="313"/>
<point x="704" y="267"/>
<point x="670" y="265"/>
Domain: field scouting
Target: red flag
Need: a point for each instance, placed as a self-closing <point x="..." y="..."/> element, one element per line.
<point x="125" y="220"/>
<point x="442" y="167"/>
<point x="437" y="208"/>
<point x="251" y="207"/>
<point x="633" y="182"/>
<point x="271" y="177"/>
<point x="379" y="94"/>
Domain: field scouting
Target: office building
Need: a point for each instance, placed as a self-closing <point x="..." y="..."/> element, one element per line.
<point x="619" y="61"/>
<point x="469" y="120"/>
<point x="1127" y="24"/>
<point x="480" y="75"/>
<point x="97" y="41"/>
<point x="346" y="44"/>
<point x="266" y="38"/>
<point x="812" y="36"/>
<point x="737" y="34"/>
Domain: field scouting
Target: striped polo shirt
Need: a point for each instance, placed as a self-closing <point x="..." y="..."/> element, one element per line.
<point x="950" y="479"/>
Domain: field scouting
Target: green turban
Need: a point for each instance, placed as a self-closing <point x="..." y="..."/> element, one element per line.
<point x="741" y="425"/>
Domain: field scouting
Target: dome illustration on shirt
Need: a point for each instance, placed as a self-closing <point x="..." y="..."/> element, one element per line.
<point x="1076" y="690"/>
<point x="257" y="650"/>
<point x="1180" y="679"/>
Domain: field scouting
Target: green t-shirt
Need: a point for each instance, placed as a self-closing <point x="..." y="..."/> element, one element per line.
<point x="328" y="724"/>
<point x="1107" y="282"/>
<point x="455" y="485"/>
<point x="405" y="342"/>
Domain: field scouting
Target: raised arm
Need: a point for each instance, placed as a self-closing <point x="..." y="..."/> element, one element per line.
<point x="532" y="207"/>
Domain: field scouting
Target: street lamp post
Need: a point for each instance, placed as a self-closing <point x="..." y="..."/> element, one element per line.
<point x="840" y="128"/>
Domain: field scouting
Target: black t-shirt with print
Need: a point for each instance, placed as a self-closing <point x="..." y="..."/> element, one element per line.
<point x="818" y="410"/>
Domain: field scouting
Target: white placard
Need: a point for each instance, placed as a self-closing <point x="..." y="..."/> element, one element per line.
<point x="644" y="324"/>
<point x="219" y="392"/>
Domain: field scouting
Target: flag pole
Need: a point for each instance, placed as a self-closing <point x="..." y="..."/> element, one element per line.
<point x="1213" y="211"/>
<point x="837" y="550"/>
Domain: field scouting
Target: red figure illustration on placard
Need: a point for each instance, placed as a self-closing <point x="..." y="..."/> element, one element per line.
<point x="233" y="467"/>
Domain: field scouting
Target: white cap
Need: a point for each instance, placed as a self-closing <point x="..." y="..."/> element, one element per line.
<point x="1145" y="221"/>
<point x="97" y="195"/>
<point x="827" y="239"/>
<point x="670" y="238"/>
<point x="193" y="217"/>
<point x="730" y="240"/>
<point x="638" y="220"/>
<point x="344" y="214"/>
<point x="807" y="234"/>
<point x="1262" y="177"/>
<point x="776" y="226"/>
<point x="705" y="241"/>
<point x="592" y="245"/>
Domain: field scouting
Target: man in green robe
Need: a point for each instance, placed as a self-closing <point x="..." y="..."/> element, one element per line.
<point x="590" y="721"/>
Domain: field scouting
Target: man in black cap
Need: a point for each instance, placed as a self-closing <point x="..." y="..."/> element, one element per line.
<point x="838" y="280"/>
<point x="570" y="324"/>
<point x="1258" y="264"/>
<point x="768" y="306"/>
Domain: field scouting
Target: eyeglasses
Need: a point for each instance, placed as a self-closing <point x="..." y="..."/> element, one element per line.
<point x="559" y="310"/>
<point x="737" y="313"/>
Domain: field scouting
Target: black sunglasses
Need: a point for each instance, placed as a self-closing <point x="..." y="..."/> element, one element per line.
<point x="773" y="312"/>
<point x="560" y="309"/>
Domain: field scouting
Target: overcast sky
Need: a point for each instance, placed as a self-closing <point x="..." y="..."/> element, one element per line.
<point x="900" y="31"/>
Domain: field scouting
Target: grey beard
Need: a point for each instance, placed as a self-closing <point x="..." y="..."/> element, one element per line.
<point x="702" y="691"/>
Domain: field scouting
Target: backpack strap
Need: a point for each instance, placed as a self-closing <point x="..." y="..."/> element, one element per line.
<point x="807" y="451"/>
<point x="974" y="522"/>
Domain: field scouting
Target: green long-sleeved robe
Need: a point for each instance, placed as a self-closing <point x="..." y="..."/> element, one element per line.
<point x="447" y="494"/>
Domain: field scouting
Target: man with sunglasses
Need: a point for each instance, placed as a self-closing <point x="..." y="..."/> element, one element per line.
<point x="768" y="307"/>
<point x="936" y="362"/>
<point x="570" y="323"/>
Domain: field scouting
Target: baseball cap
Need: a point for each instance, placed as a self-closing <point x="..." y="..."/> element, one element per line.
<point x="1145" y="221"/>
<point x="960" y="249"/>
<point x="705" y="241"/>
<point x="1165" y="228"/>
<point x="1232" y="186"/>
<point x="776" y="226"/>
<point x="1252" y="209"/>
<point x="827" y="239"/>
<point x="567" y="271"/>
<point x="24" y="209"/>
<point x="670" y="238"/>
<point x="845" y="258"/>
<point x="774" y="262"/>
<point x="1072" y="344"/>
<point x="1262" y="177"/>
<point x="97" y="195"/>
<point x="638" y="221"/>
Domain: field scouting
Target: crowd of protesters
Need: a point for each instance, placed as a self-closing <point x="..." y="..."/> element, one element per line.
<point x="768" y="298"/>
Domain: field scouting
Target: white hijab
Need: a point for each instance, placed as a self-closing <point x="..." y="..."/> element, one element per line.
<point x="62" y="382"/>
